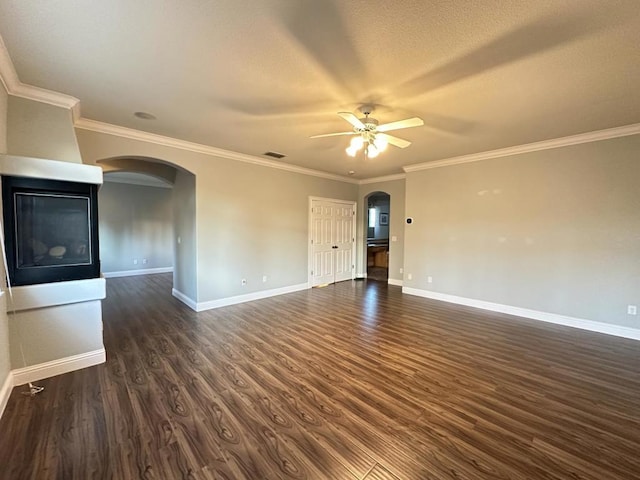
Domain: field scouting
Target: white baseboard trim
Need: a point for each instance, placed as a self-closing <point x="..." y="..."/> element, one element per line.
<point x="394" y="281"/>
<point x="37" y="372"/>
<point x="607" y="328"/>
<point x="224" y="302"/>
<point x="133" y="273"/>
<point x="361" y="275"/>
<point x="188" y="301"/>
<point x="5" y="392"/>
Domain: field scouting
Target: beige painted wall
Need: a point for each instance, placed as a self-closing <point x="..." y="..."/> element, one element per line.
<point x="5" y="356"/>
<point x="251" y="220"/>
<point x="555" y="231"/>
<point x="4" y="106"/>
<point x="136" y="222"/>
<point x="42" y="131"/>
<point x="185" y="253"/>
<point x="254" y="221"/>
<point x="396" y="190"/>
<point x="61" y="332"/>
<point x="5" y="364"/>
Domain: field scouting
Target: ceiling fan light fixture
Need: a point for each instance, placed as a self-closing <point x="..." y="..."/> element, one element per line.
<point x="380" y="143"/>
<point x="372" y="151"/>
<point x="351" y="151"/>
<point x="357" y="142"/>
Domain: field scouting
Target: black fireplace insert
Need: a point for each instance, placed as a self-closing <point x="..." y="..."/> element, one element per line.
<point x="50" y="230"/>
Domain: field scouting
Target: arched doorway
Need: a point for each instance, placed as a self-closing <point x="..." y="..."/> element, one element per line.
<point x="161" y="224"/>
<point x="377" y="221"/>
<point x="136" y="224"/>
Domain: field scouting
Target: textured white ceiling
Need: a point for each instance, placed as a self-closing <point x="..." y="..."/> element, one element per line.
<point x="253" y="76"/>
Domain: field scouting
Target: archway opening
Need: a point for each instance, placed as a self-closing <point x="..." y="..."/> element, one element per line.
<point x="147" y="221"/>
<point x="377" y="220"/>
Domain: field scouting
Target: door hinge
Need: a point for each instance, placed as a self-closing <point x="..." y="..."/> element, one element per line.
<point x="311" y="242"/>
<point x="311" y="272"/>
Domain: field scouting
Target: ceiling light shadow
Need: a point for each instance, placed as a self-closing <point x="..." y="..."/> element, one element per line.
<point x="528" y="40"/>
<point x="320" y="30"/>
<point x="269" y="107"/>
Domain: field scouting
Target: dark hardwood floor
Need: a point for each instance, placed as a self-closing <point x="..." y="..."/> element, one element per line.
<point x="351" y="381"/>
<point x="378" y="273"/>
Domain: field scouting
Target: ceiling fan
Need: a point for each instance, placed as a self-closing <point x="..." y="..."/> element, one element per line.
<point x="369" y="135"/>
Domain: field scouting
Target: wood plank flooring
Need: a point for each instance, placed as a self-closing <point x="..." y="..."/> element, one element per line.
<point x="351" y="381"/>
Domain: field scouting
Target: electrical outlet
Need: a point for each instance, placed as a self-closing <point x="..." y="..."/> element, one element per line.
<point x="144" y="261"/>
<point x="429" y="279"/>
<point x="409" y="276"/>
<point x="632" y="310"/>
<point x="264" y="279"/>
<point x="135" y="261"/>
<point x="394" y="238"/>
<point x="244" y="281"/>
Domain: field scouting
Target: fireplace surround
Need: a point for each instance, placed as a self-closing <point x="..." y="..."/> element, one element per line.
<point x="55" y="326"/>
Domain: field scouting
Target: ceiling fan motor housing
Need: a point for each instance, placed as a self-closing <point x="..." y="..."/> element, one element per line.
<point x="370" y="124"/>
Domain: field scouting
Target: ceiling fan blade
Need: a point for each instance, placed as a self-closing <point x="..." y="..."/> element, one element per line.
<point x="275" y="107"/>
<point x="398" y="142"/>
<point x="531" y="39"/>
<point x="409" y="122"/>
<point x="352" y="119"/>
<point x="321" y="30"/>
<point x="332" y="134"/>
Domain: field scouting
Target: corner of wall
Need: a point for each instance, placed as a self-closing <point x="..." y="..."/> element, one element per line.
<point x="6" y="380"/>
<point x="40" y="130"/>
<point x="4" y="99"/>
<point x="6" y="386"/>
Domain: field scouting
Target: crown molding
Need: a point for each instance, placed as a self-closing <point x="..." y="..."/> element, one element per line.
<point x="75" y="112"/>
<point x="45" y="96"/>
<point x="386" y="178"/>
<point x="109" y="129"/>
<point x="596" y="136"/>
<point x="15" y="87"/>
<point x="8" y="74"/>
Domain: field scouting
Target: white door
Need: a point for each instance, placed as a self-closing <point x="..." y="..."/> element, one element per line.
<point x="322" y="251"/>
<point x="332" y="241"/>
<point x="344" y="241"/>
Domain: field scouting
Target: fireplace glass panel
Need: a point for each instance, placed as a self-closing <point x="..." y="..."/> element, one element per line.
<point x="52" y="230"/>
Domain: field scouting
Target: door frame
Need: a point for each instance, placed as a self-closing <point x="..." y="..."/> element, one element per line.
<point x="354" y="205"/>
<point x="365" y="223"/>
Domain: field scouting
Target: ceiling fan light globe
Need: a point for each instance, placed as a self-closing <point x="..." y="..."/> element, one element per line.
<point x="381" y="143"/>
<point x="351" y="151"/>
<point x="372" y="151"/>
<point x="357" y="142"/>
